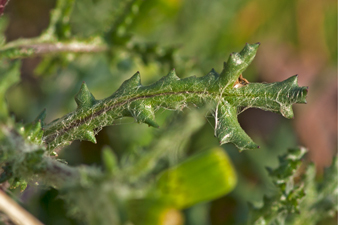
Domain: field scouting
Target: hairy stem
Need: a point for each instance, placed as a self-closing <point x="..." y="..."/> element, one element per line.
<point x="28" y="159"/>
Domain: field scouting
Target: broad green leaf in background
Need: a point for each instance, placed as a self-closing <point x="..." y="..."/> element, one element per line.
<point x="202" y="177"/>
<point x="154" y="212"/>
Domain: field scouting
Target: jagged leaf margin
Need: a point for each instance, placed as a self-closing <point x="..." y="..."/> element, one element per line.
<point x="225" y="91"/>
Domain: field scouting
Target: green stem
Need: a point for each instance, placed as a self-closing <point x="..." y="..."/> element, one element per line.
<point x="37" y="46"/>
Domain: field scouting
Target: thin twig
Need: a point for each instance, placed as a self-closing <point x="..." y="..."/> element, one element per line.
<point x="17" y="214"/>
<point x="40" y="49"/>
<point x="23" y="48"/>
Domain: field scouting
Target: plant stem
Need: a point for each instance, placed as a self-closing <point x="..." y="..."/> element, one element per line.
<point x="18" y="214"/>
<point x="58" y="47"/>
<point x="36" y="47"/>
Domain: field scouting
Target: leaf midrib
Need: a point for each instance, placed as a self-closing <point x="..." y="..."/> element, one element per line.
<point x="118" y="102"/>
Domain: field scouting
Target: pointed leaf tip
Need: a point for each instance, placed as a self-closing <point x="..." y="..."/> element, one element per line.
<point x="304" y="95"/>
<point x="151" y="123"/>
<point x="143" y="113"/>
<point x="88" y="135"/>
<point x="212" y="74"/>
<point x="136" y="77"/>
<point x="249" y="51"/>
<point x="131" y="83"/>
<point x="172" y="75"/>
<point x="290" y="93"/>
<point x="248" y="146"/>
<point x="287" y="111"/>
<point x="293" y="81"/>
<point x="228" y="129"/>
<point x="35" y="131"/>
<point x="41" y="117"/>
<point x="84" y="98"/>
<point x="237" y="63"/>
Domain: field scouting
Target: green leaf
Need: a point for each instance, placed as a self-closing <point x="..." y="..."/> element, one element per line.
<point x="203" y="177"/>
<point x="143" y="112"/>
<point x="224" y="91"/>
<point x="59" y="26"/>
<point x="110" y="160"/>
<point x="289" y="193"/>
<point x="237" y="63"/>
<point x="227" y="128"/>
<point x="126" y="12"/>
<point x="300" y="198"/>
<point x="33" y="132"/>
<point x="153" y="212"/>
<point x="8" y="76"/>
<point x="321" y="195"/>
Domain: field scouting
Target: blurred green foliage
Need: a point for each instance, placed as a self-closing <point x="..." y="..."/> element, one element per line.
<point x="298" y="200"/>
<point x="192" y="36"/>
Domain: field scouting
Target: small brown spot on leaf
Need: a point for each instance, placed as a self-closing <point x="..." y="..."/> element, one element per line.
<point x="240" y="82"/>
